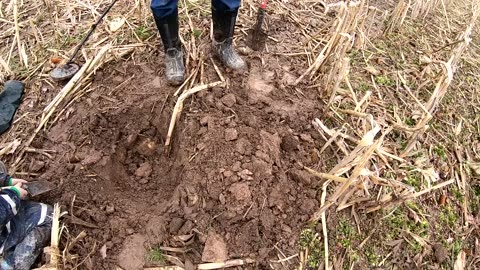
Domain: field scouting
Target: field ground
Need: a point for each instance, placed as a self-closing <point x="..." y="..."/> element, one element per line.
<point x="366" y="158"/>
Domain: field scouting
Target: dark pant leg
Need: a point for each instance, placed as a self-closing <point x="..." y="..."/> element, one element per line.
<point x="29" y="228"/>
<point x="226" y="5"/>
<point x="161" y="9"/>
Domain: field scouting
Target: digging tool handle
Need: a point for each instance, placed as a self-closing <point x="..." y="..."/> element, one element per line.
<point x="92" y="28"/>
<point x="263" y="5"/>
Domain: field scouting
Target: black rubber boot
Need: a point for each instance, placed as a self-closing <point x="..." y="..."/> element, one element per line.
<point x="174" y="67"/>
<point x="223" y="27"/>
<point x="27" y="251"/>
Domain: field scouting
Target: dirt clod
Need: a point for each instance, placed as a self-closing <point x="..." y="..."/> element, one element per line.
<point x="289" y="143"/>
<point x="229" y="100"/>
<point x="144" y="170"/>
<point x="241" y="191"/>
<point x="147" y="147"/>
<point x="215" y="248"/>
<point x="37" y="166"/>
<point x="133" y="253"/>
<point x="92" y="158"/>
<point x="441" y="253"/>
<point x="301" y="176"/>
<point x="231" y="134"/>
<point x="110" y="209"/>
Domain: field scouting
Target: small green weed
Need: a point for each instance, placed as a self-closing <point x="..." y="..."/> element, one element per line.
<point x="309" y="239"/>
<point x="346" y="233"/>
<point x="142" y="32"/>
<point x="372" y="257"/>
<point x="414" y="179"/>
<point x="155" y="255"/>
<point x="440" y="151"/>
<point x="384" y="80"/>
<point x="410" y="121"/>
<point x="448" y="216"/>
<point x="196" y="33"/>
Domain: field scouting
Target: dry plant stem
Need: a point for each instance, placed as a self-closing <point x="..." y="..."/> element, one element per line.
<point x="17" y="33"/>
<point x="324" y="223"/>
<point x="398" y="16"/>
<point x="230" y="263"/>
<point x="55" y="237"/>
<point x="179" y="105"/>
<point x="443" y="83"/>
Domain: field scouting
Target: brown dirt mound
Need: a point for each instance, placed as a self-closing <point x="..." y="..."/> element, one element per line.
<point x="233" y="169"/>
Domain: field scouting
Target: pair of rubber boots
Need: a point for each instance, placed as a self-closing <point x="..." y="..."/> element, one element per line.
<point x="223" y="26"/>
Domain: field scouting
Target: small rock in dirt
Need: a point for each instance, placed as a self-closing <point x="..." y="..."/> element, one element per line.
<point x="289" y="143"/>
<point x="131" y="139"/>
<point x="215" y="249"/>
<point x="186" y="228"/>
<point x="73" y="159"/>
<point x="246" y="175"/>
<point x="109" y="209"/>
<point x="156" y="82"/>
<point x="133" y="253"/>
<point x="221" y="198"/>
<point x="243" y="147"/>
<point x="103" y="251"/>
<point x="308" y="205"/>
<point x="70" y="167"/>
<point x="441" y="253"/>
<point x="175" y="225"/>
<point x="143" y="180"/>
<point x="145" y="170"/>
<point x="271" y="146"/>
<point x="227" y="173"/>
<point x="231" y="134"/>
<point x="205" y="120"/>
<point x="306" y="138"/>
<point x="130" y="231"/>
<point x="147" y="147"/>
<point x="301" y="176"/>
<point x="237" y="166"/>
<point x="37" y="165"/>
<point x="288" y="79"/>
<point x="92" y="158"/>
<point x="156" y="230"/>
<point x="229" y="100"/>
<point x="241" y="191"/>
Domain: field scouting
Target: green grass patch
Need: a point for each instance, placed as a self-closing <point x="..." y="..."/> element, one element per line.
<point x="309" y="239"/>
<point x="410" y="122"/>
<point x="346" y="233"/>
<point x="142" y="32"/>
<point x="384" y="80"/>
<point x="155" y="255"/>
<point x="448" y="216"/>
<point x="440" y="151"/>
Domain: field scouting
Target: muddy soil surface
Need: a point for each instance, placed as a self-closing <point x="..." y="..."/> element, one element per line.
<point x="230" y="187"/>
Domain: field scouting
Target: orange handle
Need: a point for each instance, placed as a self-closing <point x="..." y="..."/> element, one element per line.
<point x="263" y="5"/>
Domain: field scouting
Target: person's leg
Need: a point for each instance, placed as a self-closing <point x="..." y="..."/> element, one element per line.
<point x="224" y="16"/>
<point x="165" y="13"/>
<point x="29" y="232"/>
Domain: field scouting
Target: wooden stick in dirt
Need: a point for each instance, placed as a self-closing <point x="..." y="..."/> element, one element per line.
<point x="179" y="105"/>
<point x="231" y="263"/>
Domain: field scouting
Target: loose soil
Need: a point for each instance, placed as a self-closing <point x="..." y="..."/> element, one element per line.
<point x="233" y="170"/>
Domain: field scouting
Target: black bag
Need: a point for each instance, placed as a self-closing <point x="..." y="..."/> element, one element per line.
<point x="10" y="99"/>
